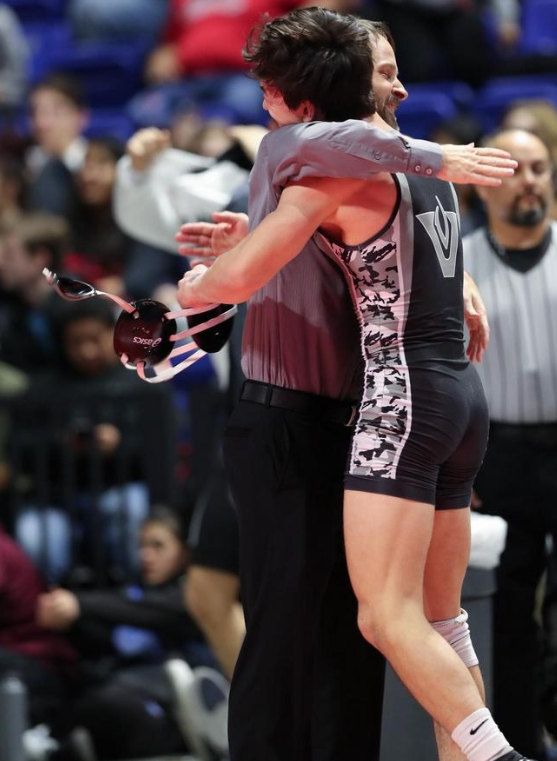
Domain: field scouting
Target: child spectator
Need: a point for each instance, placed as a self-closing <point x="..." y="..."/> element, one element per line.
<point x="58" y="117"/>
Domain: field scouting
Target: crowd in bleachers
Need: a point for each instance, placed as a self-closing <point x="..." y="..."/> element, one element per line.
<point x="119" y="121"/>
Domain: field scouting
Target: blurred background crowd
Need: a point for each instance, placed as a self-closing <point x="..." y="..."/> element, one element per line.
<point x="120" y="612"/>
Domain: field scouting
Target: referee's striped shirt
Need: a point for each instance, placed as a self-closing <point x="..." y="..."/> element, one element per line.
<point x="519" y="370"/>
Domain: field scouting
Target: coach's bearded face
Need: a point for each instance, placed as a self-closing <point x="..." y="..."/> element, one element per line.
<point x="387" y="88"/>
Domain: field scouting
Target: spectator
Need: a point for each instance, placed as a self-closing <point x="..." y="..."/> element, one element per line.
<point x="199" y="61"/>
<point x="102" y="254"/>
<point x="14" y="58"/>
<point x="130" y="714"/>
<point x="118" y="20"/>
<point x="37" y="241"/>
<point x="110" y="499"/>
<point x="43" y="659"/>
<point x="516" y="253"/>
<point x="58" y="118"/>
<point x="100" y="249"/>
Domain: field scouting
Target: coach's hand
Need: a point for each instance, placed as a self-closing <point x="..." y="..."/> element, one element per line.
<point x="477" y="166"/>
<point x="188" y="296"/>
<point x="475" y="316"/>
<point x="204" y="241"/>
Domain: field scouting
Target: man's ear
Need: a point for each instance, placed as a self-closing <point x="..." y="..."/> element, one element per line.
<point x="307" y="110"/>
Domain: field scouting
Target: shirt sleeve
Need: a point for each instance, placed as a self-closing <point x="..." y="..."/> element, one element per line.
<point x="159" y="611"/>
<point x="346" y="149"/>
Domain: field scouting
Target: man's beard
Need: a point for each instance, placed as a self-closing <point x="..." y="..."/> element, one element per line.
<point x="527" y="217"/>
<point x="387" y="115"/>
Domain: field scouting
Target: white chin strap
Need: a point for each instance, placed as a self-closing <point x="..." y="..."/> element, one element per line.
<point x="203" y="325"/>
<point x="165" y="370"/>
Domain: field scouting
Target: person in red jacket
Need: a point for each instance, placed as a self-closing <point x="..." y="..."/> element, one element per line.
<point x="41" y="658"/>
<point x="199" y="63"/>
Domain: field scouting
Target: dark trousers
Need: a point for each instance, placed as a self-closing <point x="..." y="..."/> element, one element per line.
<point x="307" y="687"/>
<point x="518" y="481"/>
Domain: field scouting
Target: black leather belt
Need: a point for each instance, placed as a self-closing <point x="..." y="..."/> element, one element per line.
<point x="319" y="407"/>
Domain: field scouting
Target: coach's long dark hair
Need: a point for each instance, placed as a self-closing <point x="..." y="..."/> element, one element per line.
<point x="316" y="55"/>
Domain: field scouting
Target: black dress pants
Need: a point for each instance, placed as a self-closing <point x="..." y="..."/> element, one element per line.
<point x="518" y="481"/>
<point x="307" y="687"/>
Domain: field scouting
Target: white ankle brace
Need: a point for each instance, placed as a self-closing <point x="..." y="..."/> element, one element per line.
<point x="457" y="633"/>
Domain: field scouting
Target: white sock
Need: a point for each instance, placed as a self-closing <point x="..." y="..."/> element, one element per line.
<point x="479" y="737"/>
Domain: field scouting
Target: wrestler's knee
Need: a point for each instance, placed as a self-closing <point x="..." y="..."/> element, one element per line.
<point x="380" y="623"/>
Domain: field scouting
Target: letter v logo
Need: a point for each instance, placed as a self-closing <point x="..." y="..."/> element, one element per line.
<point x="442" y="228"/>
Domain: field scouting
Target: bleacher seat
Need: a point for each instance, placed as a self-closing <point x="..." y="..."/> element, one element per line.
<point x="37" y="10"/>
<point x="419" y="115"/>
<point x="495" y="97"/>
<point x="459" y="92"/>
<point x="109" y="123"/>
<point x="109" y="73"/>
<point x="43" y="38"/>
<point x="539" y="27"/>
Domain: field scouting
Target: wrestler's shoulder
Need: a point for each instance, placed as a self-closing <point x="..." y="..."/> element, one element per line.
<point x="308" y="131"/>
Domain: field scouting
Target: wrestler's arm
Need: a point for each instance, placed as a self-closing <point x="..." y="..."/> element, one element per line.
<point x="240" y="272"/>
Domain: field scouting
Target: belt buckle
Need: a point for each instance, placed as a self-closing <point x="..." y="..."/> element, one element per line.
<point x="353" y="416"/>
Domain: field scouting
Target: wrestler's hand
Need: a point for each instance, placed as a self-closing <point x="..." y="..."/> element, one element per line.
<point x="204" y="241"/>
<point x="187" y="296"/>
<point x="145" y="146"/>
<point x="478" y="166"/>
<point x="475" y="315"/>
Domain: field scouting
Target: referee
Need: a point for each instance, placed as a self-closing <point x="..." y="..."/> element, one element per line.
<point x="514" y="262"/>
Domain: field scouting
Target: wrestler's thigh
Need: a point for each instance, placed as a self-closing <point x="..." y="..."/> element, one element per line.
<point x="387" y="540"/>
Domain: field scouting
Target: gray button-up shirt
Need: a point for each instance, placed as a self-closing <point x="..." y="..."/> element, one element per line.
<point x="301" y="331"/>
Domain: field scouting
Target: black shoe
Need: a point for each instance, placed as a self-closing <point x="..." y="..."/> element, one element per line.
<point x="512" y="755"/>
